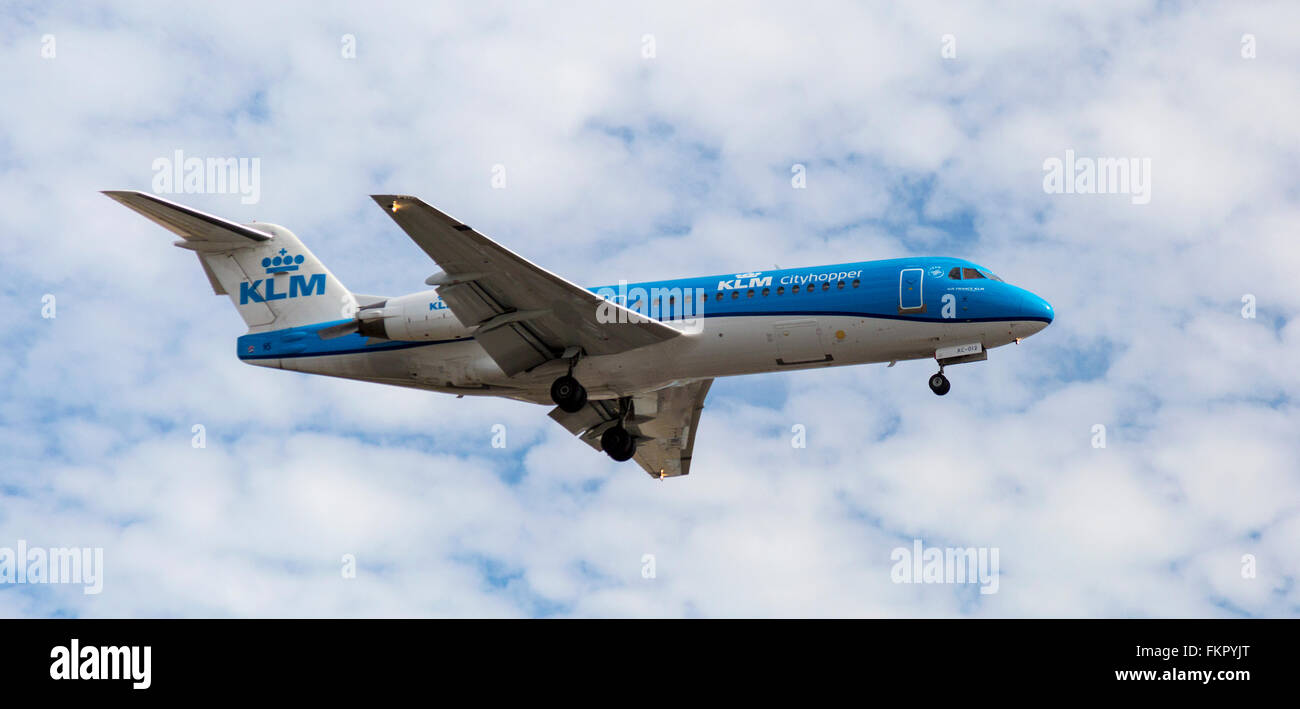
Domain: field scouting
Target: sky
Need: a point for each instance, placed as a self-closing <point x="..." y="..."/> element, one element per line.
<point x="649" y="140"/>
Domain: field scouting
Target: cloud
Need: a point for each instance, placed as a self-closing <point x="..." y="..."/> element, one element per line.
<point x="611" y="157"/>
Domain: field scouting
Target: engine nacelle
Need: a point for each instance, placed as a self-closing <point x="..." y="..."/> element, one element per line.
<point x="416" y="317"/>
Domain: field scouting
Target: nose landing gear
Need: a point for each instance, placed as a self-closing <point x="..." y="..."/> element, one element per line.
<point x="939" y="384"/>
<point x="955" y="354"/>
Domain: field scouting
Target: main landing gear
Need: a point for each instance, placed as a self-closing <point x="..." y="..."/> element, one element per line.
<point x="618" y="443"/>
<point x="567" y="392"/>
<point x="938" y="383"/>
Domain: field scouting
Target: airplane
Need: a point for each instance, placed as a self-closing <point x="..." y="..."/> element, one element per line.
<point x="626" y="367"/>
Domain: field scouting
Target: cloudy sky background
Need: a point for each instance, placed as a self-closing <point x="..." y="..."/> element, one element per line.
<point x="621" y="166"/>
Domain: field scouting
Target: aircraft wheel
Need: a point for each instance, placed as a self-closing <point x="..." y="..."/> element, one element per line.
<point x="618" y="443"/>
<point x="568" y="394"/>
<point x="939" y="384"/>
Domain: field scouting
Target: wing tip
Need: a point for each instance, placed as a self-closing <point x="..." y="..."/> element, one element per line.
<point x="394" y="202"/>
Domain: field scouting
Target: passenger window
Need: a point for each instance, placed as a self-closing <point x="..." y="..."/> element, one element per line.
<point x="839" y="286"/>
<point x="766" y="291"/>
<point x="856" y="283"/>
<point x="826" y="286"/>
<point x="969" y="273"/>
<point x="735" y="294"/>
<point x="780" y="290"/>
<point x="955" y="273"/>
<point x="795" y="289"/>
<point x="719" y="296"/>
<point x="750" y="294"/>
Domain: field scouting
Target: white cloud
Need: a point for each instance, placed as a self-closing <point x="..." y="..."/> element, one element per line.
<point x="609" y="157"/>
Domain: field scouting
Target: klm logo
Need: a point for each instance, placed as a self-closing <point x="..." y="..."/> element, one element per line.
<point x="437" y="305"/>
<point x="746" y="280"/>
<point x="282" y="263"/>
<point x="300" y="286"/>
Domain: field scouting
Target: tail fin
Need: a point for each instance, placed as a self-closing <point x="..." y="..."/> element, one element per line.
<point x="272" y="279"/>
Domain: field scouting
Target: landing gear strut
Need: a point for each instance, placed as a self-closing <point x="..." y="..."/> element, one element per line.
<point x="939" y="384"/>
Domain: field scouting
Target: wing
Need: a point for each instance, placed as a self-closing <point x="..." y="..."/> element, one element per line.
<point x="525" y="314"/>
<point x="664" y="422"/>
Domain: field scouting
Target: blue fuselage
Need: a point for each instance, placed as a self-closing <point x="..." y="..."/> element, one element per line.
<point x="905" y="289"/>
<point x="740" y="323"/>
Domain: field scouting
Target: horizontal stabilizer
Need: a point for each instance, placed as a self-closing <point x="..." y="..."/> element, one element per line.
<point x="193" y="225"/>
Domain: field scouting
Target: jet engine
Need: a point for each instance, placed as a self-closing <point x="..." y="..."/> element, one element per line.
<point x="418" y="317"/>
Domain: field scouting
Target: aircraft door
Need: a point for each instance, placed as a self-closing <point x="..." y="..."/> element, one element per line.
<point x="909" y="291"/>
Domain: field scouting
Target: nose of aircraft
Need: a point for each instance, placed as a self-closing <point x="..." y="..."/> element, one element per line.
<point x="1037" y="311"/>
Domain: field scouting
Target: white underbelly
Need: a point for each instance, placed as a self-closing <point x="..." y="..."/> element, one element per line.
<point x="726" y="346"/>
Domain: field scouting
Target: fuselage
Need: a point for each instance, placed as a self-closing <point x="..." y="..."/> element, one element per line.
<point x="732" y="324"/>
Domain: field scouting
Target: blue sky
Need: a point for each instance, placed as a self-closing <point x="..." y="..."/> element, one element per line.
<point x="626" y="166"/>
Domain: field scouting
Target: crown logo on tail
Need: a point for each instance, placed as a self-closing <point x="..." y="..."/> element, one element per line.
<point x="282" y="263"/>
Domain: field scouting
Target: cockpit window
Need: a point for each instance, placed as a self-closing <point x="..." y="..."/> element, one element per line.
<point x="992" y="275"/>
<point x="955" y="273"/>
<point x="969" y="273"/>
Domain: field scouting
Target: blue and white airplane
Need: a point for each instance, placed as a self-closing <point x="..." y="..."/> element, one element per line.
<point x="627" y="366"/>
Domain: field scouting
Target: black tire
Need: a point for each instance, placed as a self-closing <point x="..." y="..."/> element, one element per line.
<point x="939" y="384"/>
<point x="568" y="394"/>
<point x="618" y="443"/>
